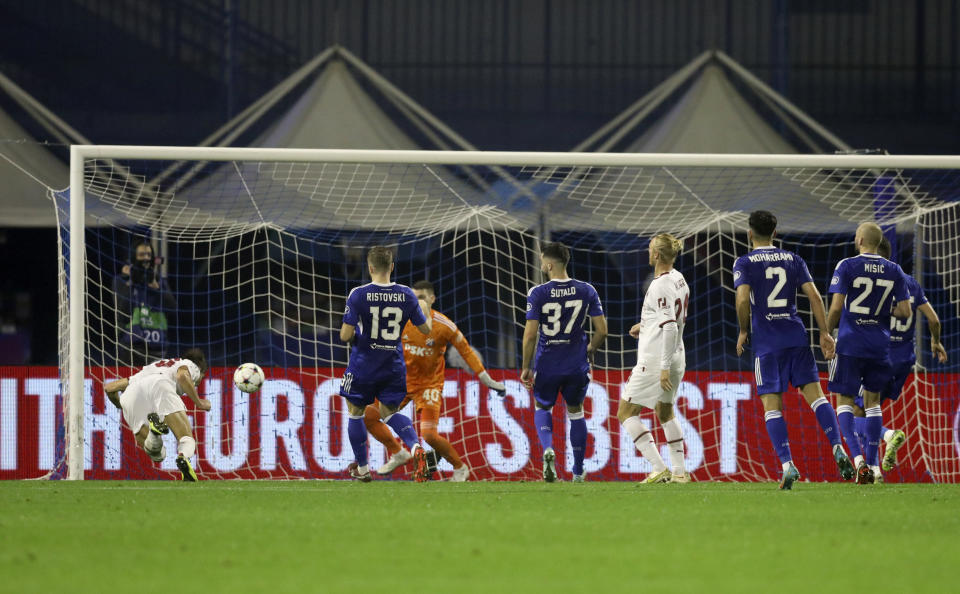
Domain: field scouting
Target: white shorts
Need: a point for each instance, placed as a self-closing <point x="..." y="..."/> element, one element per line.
<point x="144" y="397"/>
<point x="643" y="387"/>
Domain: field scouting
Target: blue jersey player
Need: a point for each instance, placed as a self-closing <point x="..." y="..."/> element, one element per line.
<point x="557" y="310"/>
<point x="767" y="279"/>
<point x="864" y="290"/>
<point x="374" y="319"/>
<point x="902" y="358"/>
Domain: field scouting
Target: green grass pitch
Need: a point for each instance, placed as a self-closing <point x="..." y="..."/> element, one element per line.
<point x="326" y="536"/>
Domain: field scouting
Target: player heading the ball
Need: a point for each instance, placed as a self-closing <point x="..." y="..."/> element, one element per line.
<point x="767" y="279"/>
<point x="152" y="406"/>
<point x="374" y="319"/>
<point x="557" y="311"/>
<point x="873" y="285"/>
<point x="661" y="362"/>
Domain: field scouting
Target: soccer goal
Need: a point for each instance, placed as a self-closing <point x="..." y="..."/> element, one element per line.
<point x="254" y="250"/>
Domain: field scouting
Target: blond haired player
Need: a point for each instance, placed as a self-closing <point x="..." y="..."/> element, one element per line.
<point x="152" y="405"/>
<point x="424" y="358"/>
<point x="661" y="361"/>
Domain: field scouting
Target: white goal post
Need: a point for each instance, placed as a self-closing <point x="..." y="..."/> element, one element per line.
<point x="544" y="163"/>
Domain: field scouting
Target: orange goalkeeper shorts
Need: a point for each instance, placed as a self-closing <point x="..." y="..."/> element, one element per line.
<point x="430" y="397"/>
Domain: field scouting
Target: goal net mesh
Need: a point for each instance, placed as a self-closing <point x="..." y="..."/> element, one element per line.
<point x="253" y="261"/>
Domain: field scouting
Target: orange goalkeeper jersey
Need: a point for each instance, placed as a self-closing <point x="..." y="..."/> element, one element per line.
<point x="424" y="355"/>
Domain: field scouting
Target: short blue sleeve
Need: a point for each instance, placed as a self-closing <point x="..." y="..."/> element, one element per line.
<point x="533" y="304"/>
<point x="740" y="276"/>
<point x="415" y="313"/>
<point x="838" y="284"/>
<point x="901" y="292"/>
<point x="595" y="308"/>
<point x="351" y="312"/>
<point x="919" y="298"/>
<point x="803" y="273"/>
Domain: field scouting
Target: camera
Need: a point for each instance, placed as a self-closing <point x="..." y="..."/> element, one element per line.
<point x="142" y="275"/>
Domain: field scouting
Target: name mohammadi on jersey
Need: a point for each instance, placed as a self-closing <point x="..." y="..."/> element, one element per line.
<point x="165" y="370"/>
<point x="666" y="302"/>
<point x="872" y="285"/>
<point x="423" y="354"/>
<point x="902" y="334"/>
<point x="379" y="312"/>
<point x="774" y="275"/>
<point x="562" y="307"/>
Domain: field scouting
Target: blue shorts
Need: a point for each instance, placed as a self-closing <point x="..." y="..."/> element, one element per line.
<point x="390" y="389"/>
<point x="775" y="372"/>
<point x="848" y="373"/>
<point x="572" y="387"/>
<point x="891" y="391"/>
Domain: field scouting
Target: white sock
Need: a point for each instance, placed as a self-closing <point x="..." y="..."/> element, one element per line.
<point x="187" y="446"/>
<point x="857" y="460"/>
<point x="152" y="444"/>
<point x="674" y="434"/>
<point x="362" y="470"/>
<point x="888" y="435"/>
<point x="786" y="465"/>
<point x="643" y="440"/>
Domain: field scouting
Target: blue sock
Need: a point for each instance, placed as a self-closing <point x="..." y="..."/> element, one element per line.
<point x="578" y="441"/>
<point x="404" y="428"/>
<point x="845" y="420"/>
<point x="543" y="419"/>
<point x="357" y="432"/>
<point x="860" y="429"/>
<point x="827" y="417"/>
<point x="883" y="431"/>
<point x="874" y="422"/>
<point x="777" y="430"/>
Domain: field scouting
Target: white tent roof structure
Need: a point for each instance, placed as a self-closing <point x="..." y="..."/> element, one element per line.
<point x="328" y="105"/>
<point x="31" y="174"/>
<point x="28" y="169"/>
<point x="711" y="105"/>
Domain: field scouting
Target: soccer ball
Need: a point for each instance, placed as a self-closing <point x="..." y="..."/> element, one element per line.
<point x="248" y="377"/>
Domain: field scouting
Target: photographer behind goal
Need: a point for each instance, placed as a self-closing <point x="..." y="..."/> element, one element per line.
<point x="144" y="306"/>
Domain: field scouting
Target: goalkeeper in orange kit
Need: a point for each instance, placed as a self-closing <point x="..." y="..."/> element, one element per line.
<point x="424" y="358"/>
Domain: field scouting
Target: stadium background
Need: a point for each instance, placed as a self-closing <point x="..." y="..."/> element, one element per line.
<point x="506" y="75"/>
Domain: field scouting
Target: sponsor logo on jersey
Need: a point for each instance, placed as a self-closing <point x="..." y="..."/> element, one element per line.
<point x="418" y="351"/>
<point x="778" y="316"/>
<point x="865" y="322"/>
<point x="429" y="342"/>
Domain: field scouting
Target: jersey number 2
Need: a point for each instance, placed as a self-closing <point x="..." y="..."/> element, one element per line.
<point x="772" y="298"/>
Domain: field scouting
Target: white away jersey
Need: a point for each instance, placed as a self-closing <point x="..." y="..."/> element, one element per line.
<point x="665" y="303"/>
<point x="165" y="370"/>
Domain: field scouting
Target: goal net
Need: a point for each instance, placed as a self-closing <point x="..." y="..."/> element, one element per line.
<point x="252" y="252"/>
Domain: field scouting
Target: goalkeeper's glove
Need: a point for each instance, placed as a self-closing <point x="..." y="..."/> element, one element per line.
<point x="491" y="383"/>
